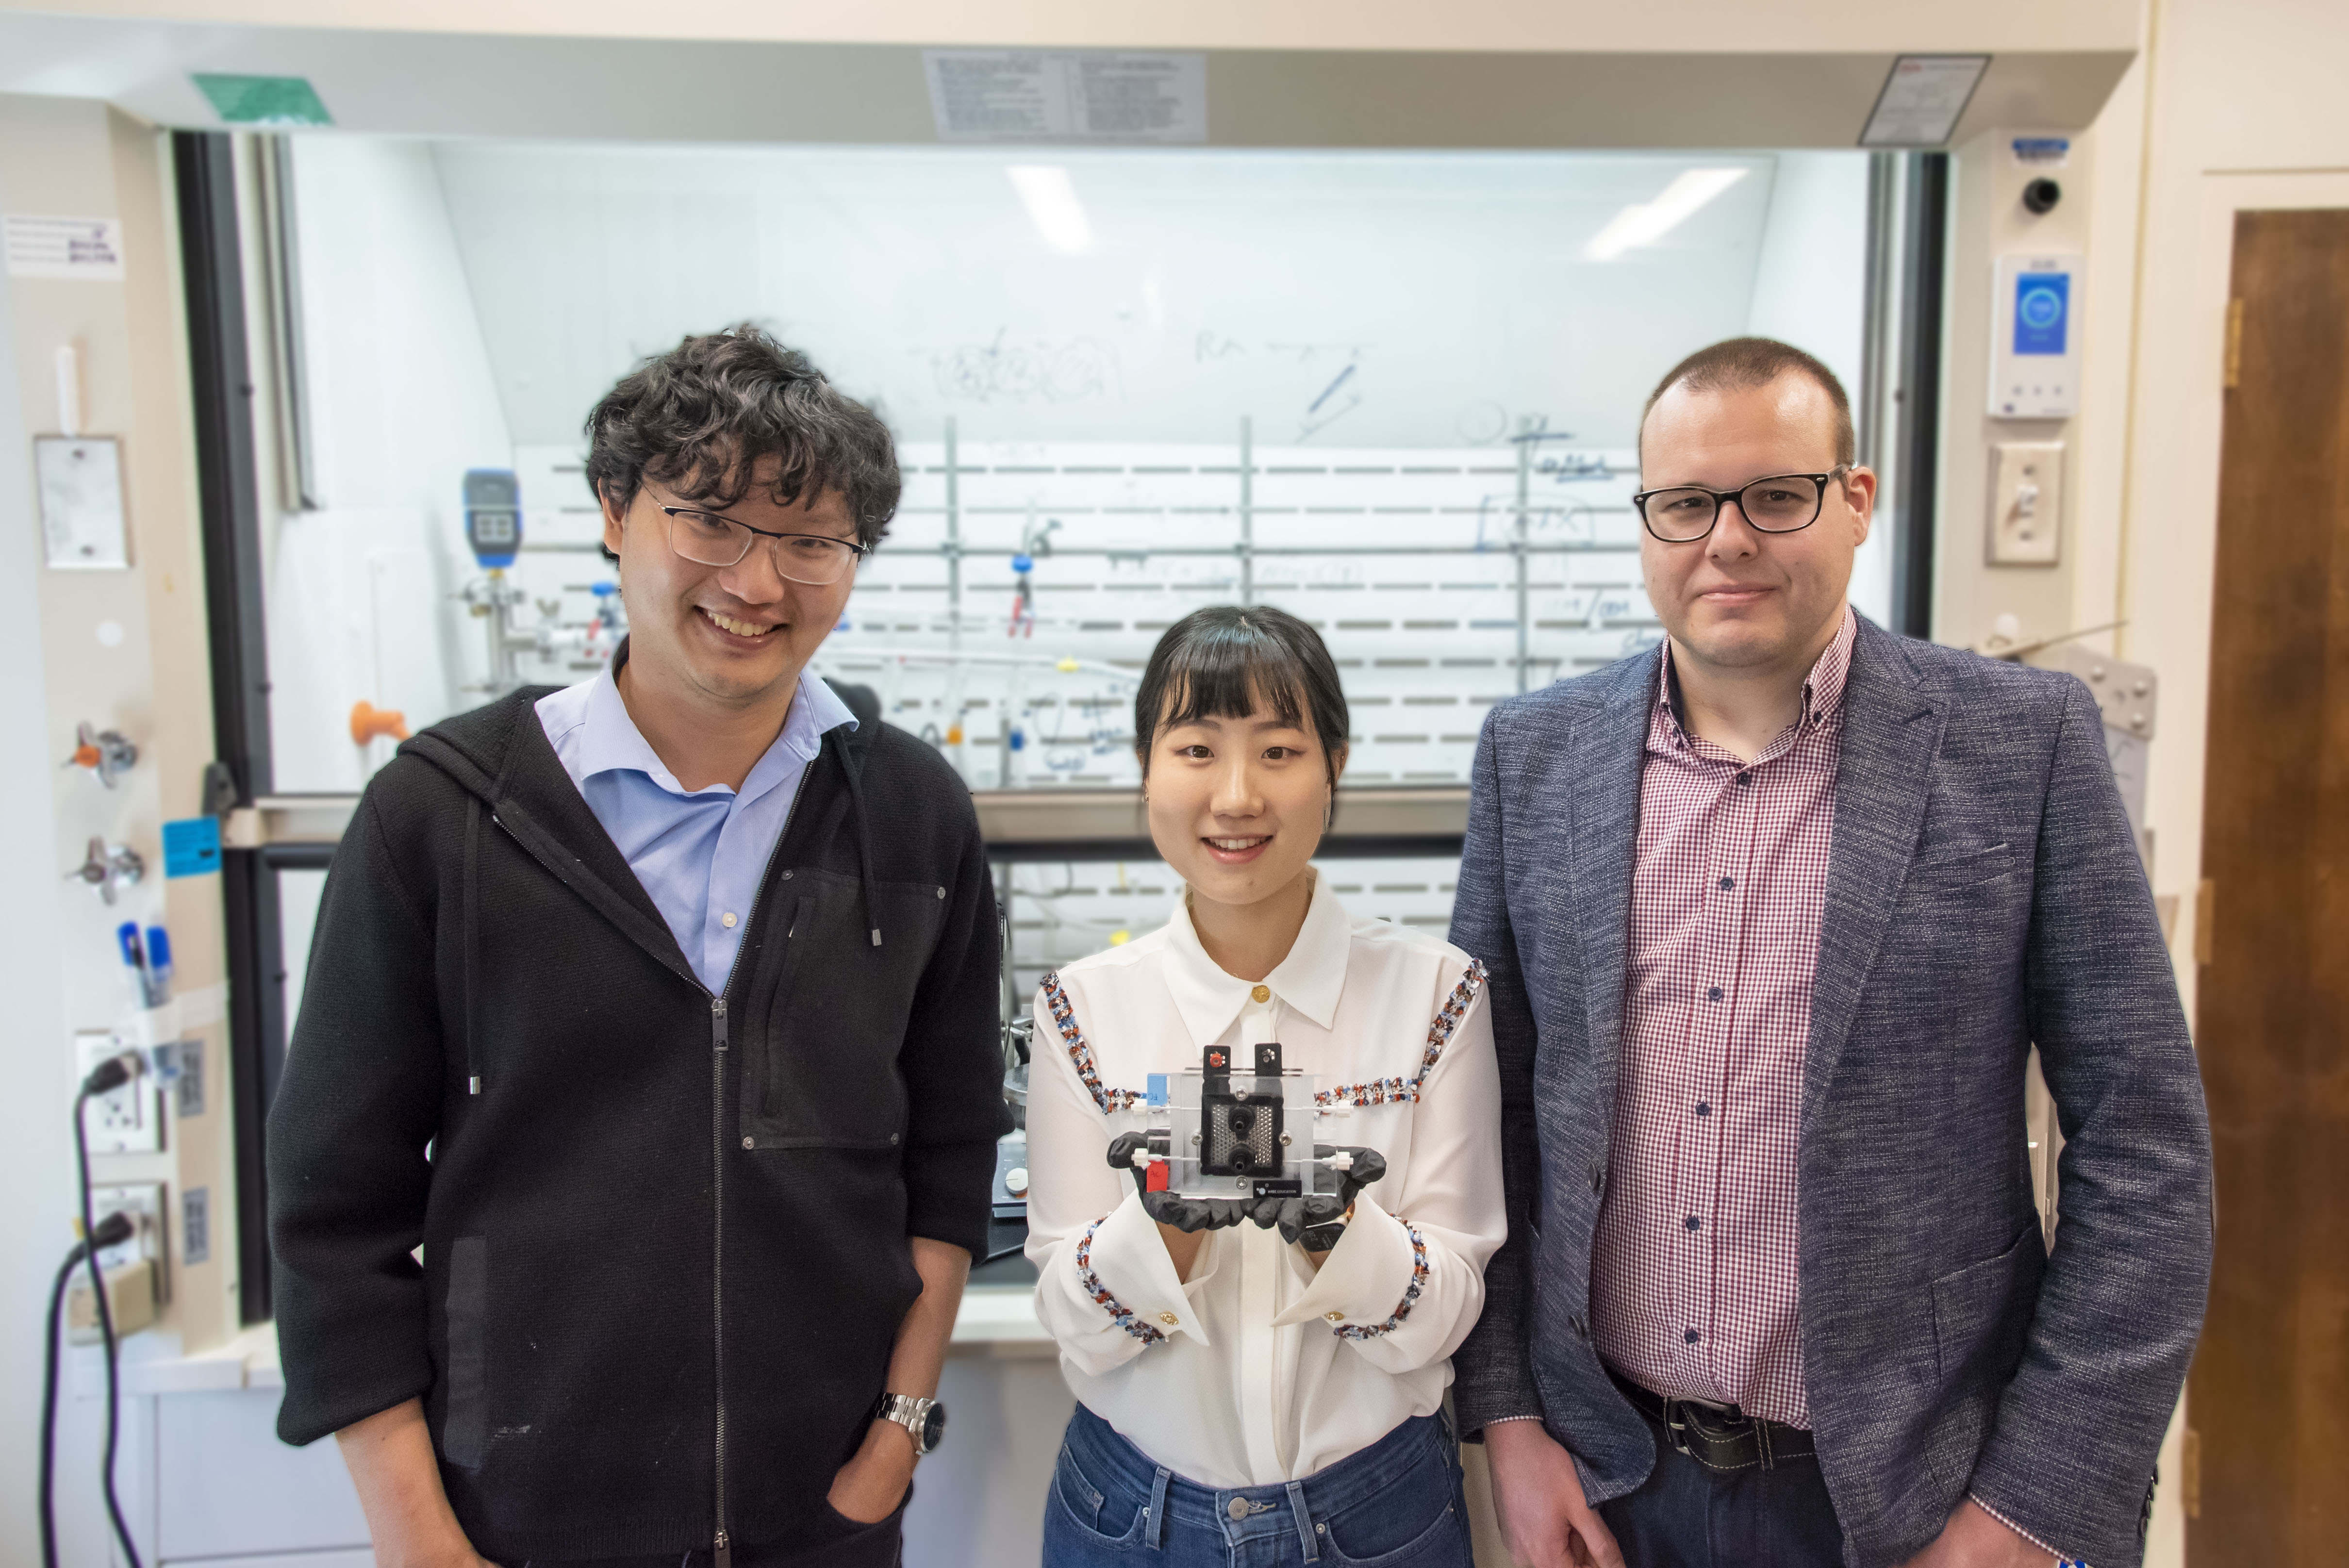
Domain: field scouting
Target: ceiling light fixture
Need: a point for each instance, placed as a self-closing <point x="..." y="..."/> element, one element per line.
<point x="1052" y="206"/>
<point x="1645" y="222"/>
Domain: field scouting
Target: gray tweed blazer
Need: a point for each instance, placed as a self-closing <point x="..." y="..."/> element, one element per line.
<point x="1983" y="893"/>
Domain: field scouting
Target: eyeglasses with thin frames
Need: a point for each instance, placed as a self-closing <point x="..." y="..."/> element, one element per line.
<point x="713" y="539"/>
<point x="1780" y="504"/>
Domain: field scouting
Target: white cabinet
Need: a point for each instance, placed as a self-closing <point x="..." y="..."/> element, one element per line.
<point x="226" y="1488"/>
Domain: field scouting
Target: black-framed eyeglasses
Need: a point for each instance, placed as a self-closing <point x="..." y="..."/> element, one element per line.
<point x="1782" y="503"/>
<point x="713" y="539"/>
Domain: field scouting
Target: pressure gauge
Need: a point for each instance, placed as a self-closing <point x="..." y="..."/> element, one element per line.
<point x="492" y="515"/>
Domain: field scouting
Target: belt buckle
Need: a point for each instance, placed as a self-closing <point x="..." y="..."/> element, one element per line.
<point x="1686" y="1417"/>
<point x="1677" y="1425"/>
<point x="1674" y="1430"/>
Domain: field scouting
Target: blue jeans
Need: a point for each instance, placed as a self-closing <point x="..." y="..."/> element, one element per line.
<point x="1685" y="1515"/>
<point x="1397" y="1502"/>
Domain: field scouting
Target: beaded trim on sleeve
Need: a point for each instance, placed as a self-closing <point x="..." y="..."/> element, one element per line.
<point x="1398" y="1091"/>
<point x="1410" y="1295"/>
<point x="1080" y="1054"/>
<point x="1118" y="1312"/>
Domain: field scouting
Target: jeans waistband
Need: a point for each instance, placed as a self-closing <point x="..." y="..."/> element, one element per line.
<point x="1329" y="1490"/>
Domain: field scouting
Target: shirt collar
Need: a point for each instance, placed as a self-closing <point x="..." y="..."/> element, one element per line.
<point x="1307" y="980"/>
<point x="609" y="740"/>
<point x="1822" y="688"/>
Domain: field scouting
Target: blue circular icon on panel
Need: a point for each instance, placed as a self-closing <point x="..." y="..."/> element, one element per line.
<point x="2040" y="307"/>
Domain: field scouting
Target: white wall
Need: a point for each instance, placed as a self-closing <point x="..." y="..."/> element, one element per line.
<point x="1811" y="277"/>
<point x="401" y="403"/>
<point x="1810" y="289"/>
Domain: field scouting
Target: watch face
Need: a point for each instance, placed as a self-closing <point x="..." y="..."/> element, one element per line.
<point x="934" y="1427"/>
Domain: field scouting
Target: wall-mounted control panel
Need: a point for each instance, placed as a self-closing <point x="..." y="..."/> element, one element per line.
<point x="2035" y="341"/>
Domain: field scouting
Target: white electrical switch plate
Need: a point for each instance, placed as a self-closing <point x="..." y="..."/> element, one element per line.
<point x="2026" y="502"/>
<point x="2034" y="340"/>
<point x="128" y="1121"/>
<point x="81" y="501"/>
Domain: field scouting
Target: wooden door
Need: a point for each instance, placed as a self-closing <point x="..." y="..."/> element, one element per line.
<point x="2267" y="1404"/>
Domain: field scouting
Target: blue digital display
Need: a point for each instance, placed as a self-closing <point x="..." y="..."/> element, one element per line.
<point x="2043" y="306"/>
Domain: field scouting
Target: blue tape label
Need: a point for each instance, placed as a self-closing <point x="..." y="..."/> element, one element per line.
<point x="192" y="847"/>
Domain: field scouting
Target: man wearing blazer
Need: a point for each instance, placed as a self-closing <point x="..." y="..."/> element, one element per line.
<point x="1773" y="916"/>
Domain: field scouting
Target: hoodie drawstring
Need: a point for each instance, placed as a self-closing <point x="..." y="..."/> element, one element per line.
<point x="472" y="929"/>
<point x="864" y="841"/>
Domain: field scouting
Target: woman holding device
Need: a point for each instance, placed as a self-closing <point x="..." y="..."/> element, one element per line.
<point x="1261" y="1375"/>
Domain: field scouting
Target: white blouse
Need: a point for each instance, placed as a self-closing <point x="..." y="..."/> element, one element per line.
<point x="1257" y="1371"/>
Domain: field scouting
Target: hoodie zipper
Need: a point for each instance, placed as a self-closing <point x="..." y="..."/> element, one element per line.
<point x="721" y="1550"/>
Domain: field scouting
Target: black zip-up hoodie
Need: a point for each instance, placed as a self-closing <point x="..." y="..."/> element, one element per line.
<point x="664" y="1232"/>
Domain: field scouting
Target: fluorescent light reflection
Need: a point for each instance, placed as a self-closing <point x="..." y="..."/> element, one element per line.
<point x="1052" y="206"/>
<point x="1645" y="222"/>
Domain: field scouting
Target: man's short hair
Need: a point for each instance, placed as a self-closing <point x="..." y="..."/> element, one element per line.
<point x="1742" y="364"/>
<point x="701" y="417"/>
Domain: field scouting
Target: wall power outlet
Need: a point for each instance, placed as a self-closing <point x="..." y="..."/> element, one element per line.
<point x="150" y="1238"/>
<point x="128" y="1120"/>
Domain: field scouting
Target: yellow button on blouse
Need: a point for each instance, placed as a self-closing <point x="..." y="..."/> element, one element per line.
<point x="1261" y="993"/>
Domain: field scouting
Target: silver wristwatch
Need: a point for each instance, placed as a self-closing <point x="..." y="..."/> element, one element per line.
<point x="925" y="1418"/>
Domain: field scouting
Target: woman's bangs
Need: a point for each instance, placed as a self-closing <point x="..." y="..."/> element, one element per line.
<point x="1228" y="676"/>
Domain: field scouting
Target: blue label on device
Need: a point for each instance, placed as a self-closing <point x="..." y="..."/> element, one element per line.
<point x="1155" y="1091"/>
<point x="191" y="848"/>
<point x="2043" y="303"/>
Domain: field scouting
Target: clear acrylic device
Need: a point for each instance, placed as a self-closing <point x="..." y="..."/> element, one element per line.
<point x="1243" y="1131"/>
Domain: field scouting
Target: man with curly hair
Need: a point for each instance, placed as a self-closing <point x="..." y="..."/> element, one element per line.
<point x="640" y="1125"/>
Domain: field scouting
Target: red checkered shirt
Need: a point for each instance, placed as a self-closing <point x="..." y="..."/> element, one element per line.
<point x="1693" y="1291"/>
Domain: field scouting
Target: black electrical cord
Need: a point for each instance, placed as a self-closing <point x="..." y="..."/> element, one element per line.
<point x="106" y="1076"/>
<point x="113" y="1232"/>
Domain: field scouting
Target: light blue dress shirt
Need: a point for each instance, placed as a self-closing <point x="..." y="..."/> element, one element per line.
<point x="698" y="853"/>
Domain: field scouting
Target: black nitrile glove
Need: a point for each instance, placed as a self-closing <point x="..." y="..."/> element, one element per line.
<point x="1319" y="1219"/>
<point x="1186" y="1214"/>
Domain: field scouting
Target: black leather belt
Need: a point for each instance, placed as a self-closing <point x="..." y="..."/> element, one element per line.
<point x="1718" y="1437"/>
